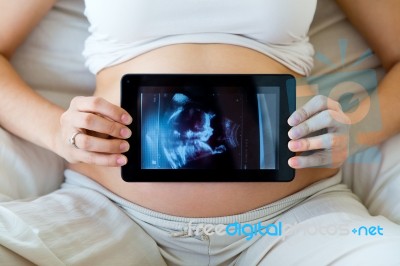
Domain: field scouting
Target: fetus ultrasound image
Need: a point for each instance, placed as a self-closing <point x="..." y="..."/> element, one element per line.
<point x="219" y="130"/>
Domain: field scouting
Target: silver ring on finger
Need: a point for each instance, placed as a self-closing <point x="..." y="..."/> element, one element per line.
<point x="72" y="139"/>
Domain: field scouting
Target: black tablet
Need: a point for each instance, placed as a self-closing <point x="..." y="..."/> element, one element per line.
<point x="208" y="127"/>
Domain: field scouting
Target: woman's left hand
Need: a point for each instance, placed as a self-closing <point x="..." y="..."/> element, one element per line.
<point x="330" y="148"/>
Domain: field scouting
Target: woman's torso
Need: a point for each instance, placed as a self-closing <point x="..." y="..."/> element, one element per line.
<point x="122" y="30"/>
<point x="194" y="199"/>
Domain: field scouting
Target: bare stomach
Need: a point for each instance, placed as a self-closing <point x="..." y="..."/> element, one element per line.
<point x="195" y="199"/>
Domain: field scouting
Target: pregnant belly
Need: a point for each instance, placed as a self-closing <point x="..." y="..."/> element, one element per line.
<point x="195" y="199"/>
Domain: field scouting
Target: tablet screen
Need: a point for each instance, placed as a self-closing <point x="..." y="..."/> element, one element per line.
<point x="181" y="128"/>
<point x="192" y="127"/>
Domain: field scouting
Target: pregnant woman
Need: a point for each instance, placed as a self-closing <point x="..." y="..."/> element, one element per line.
<point x="98" y="219"/>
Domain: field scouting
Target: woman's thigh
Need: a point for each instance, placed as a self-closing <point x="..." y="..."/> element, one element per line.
<point x="374" y="175"/>
<point x="74" y="226"/>
<point x="328" y="229"/>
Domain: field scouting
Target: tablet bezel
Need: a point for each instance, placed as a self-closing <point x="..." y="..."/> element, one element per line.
<point x="130" y="101"/>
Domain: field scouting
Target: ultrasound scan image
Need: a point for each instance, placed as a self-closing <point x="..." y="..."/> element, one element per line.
<point x="184" y="131"/>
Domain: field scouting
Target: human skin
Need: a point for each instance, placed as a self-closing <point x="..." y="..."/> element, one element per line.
<point x="179" y="198"/>
<point x="42" y="124"/>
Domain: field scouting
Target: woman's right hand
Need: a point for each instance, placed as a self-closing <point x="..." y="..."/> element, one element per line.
<point x="328" y="148"/>
<point x="94" y="131"/>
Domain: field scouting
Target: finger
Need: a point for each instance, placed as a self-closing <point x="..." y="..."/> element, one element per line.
<point x="326" y="158"/>
<point x="99" y="124"/>
<point x="100" y="106"/>
<point x="100" y="159"/>
<point x="94" y="144"/>
<point x="316" y="159"/>
<point x="325" y="141"/>
<point x="326" y="119"/>
<point x="317" y="104"/>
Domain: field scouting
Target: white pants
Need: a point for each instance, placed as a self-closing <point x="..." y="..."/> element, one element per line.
<point x="374" y="176"/>
<point x="84" y="224"/>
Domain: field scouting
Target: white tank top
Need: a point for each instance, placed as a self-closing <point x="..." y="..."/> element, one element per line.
<point x="123" y="29"/>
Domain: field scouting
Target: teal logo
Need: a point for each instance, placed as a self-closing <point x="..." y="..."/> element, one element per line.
<point x="368" y="231"/>
<point x="353" y="89"/>
<point x="251" y="230"/>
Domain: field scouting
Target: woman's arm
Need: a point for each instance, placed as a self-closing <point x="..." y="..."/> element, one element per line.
<point x="28" y="115"/>
<point x="22" y="111"/>
<point x="379" y="23"/>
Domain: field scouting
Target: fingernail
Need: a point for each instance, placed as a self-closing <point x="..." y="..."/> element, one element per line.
<point x="294" y="120"/>
<point x="124" y="146"/>
<point x="293" y="162"/>
<point x="121" y="161"/>
<point x="126" y="119"/>
<point x="294" y="145"/>
<point x="294" y="133"/>
<point x="125" y="132"/>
